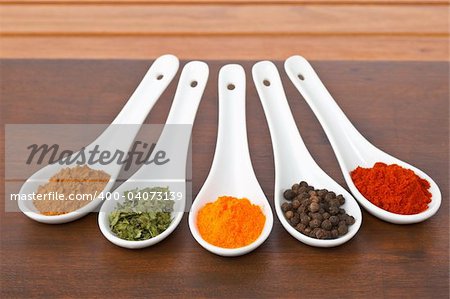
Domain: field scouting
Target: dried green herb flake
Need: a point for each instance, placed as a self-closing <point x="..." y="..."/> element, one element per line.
<point x="142" y="216"/>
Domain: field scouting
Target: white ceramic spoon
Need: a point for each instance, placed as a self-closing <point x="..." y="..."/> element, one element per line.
<point x="124" y="128"/>
<point x="293" y="162"/>
<point x="174" y="141"/>
<point x="231" y="172"/>
<point x="351" y="148"/>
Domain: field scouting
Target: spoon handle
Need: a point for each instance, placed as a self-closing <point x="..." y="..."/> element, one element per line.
<point x="175" y="138"/>
<point x="148" y="91"/>
<point x="340" y="131"/>
<point x="286" y="140"/>
<point x="232" y="157"/>
<point x="189" y="92"/>
<point x="128" y="122"/>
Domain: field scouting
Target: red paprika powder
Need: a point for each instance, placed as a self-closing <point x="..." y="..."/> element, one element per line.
<point x="393" y="188"/>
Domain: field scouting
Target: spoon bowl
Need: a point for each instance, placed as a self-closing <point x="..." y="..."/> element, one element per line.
<point x="109" y="206"/>
<point x="231" y="172"/>
<point x="133" y="113"/>
<point x="293" y="162"/>
<point x="349" y="145"/>
<point x="174" y="141"/>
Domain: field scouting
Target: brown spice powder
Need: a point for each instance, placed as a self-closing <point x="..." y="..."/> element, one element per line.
<point x="79" y="180"/>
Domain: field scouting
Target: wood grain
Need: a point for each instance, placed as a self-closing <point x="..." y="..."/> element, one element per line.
<point x="383" y="99"/>
<point x="226" y="29"/>
<point x="212" y="2"/>
<point x="229" y="47"/>
<point x="191" y="20"/>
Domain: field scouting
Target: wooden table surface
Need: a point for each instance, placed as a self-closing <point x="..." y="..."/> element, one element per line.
<point x="401" y="107"/>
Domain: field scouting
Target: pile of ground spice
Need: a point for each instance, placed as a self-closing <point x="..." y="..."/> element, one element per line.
<point x="393" y="188"/>
<point x="230" y="222"/>
<point x="78" y="184"/>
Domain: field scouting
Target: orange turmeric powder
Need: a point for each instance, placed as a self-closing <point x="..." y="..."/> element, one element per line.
<point x="230" y="222"/>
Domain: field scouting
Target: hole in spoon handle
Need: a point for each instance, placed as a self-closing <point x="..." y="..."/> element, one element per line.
<point x="140" y="104"/>
<point x="189" y="92"/>
<point x="155" y="81"/>
<point x="344" y="137"/>
<point x="232" y="147"/>
<point x="286" y="139"/>
<point x="315" y="93"/>
<point x="175" y="137"/>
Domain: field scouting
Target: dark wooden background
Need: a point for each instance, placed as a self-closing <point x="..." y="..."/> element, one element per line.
<point x="400" y="107"/>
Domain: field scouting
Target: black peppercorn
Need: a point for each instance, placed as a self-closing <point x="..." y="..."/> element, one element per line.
<point x="326" y="224"/>
<point x="289" y="214"/>
<point x="316" y="213"/>
<point x="314" y="207"/>
<point x="314" y="223"/>
<point x="334" y="203"/>
<point x="320" y="234"/>
<point x="334" y="220"/>
<point x="322" y="193"/>
<point x="300" y="227"/>
<point x="333" y="210"/>
<point x="342" y="229"/>
<point x="304" y="219"/>
<point x="295" y="219"/>
<point x="342" y="217"/>
<point x="301" y="190"/>
<point x="329" y="196"/>
<point x="341" y="199"/>
<point x="312" y="193"/>
<point x="285" y="207"/>
<point x="289" y="194"/>
<point x="334" y="233"/>
<point x="317" y="216"/>
<point x="295" y="204"/>
<point x="314" y="198"/>
<point x="304" y="195"/>
<point x="350" y="220"/>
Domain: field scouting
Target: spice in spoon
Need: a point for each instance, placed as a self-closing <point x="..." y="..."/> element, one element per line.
<point x="230" y="222"/>
<point x="143" y="215"/>
<point x="393" y="188"/>
<point x="316" y="213"/>
<point x="76" y="186"/>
